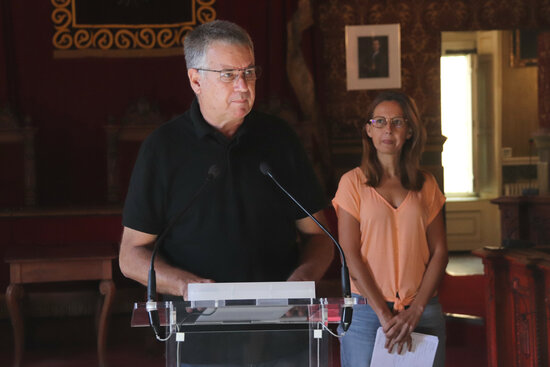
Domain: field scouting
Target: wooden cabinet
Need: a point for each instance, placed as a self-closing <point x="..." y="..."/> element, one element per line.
<point x="517" y="284"/>
<point x="545" y="268"/>
<point x="525" y="218"/>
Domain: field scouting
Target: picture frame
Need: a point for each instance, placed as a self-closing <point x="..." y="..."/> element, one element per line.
<point x="373" y="56"/>
<point x="129" y="28"/>
<point x="523" y="47"/>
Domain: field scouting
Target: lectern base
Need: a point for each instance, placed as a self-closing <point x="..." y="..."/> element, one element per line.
<point x="278" y="333"/>
<point x="242" y="348"/>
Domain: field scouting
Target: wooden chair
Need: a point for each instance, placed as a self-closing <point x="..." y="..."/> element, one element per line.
<point x="12" y="131"/>
<point x="140" y="120"/>
<point x="44" y="264"/>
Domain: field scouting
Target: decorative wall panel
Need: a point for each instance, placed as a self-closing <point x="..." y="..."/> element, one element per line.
<point x="421" y="25"/>
<point x="125" y="28"/>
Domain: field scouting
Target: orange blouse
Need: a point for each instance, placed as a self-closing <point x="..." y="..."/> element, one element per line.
<point x="393" y="240"/>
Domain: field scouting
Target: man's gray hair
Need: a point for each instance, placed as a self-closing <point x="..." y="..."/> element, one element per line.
<point x="197" y="41"/>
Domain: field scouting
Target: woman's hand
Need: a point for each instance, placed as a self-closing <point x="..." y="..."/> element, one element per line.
<point x="398" y="330"/>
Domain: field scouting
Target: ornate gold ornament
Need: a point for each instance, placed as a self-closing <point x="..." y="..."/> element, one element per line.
<point x="74" y="39"/>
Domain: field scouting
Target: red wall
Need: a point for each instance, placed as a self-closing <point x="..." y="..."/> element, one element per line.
<point x="70" y="100"/>
<point x="3" y="70"/>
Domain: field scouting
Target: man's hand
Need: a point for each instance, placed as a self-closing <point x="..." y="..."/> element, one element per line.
<point x="192" y="278"/>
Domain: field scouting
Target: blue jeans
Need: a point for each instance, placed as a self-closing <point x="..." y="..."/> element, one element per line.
<point x="357" y="344"/>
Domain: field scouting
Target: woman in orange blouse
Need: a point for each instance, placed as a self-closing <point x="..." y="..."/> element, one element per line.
<point x="391" y="227"/>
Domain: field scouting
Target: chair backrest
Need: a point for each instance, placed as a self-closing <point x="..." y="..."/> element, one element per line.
<point x="139" y="121"/>
<point x="13" y="131"/>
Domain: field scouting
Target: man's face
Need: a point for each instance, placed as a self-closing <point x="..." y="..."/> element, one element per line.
<point x="224" y="103"/>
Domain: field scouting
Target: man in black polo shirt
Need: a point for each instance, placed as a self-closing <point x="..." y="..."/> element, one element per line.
<point x="242" y="227"/>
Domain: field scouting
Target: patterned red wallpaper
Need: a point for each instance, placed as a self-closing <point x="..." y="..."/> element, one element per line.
<point x="421" y="25"/>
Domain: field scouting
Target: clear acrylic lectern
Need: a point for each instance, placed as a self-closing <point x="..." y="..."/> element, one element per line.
<point x="248" y="332"/>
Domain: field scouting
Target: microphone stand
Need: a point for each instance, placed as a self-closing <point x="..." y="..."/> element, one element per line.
<point x="151" y="304"/>
<point x="347" y="311"/>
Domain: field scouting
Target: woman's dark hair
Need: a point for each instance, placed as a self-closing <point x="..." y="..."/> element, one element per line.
<point x="409" y="163"/>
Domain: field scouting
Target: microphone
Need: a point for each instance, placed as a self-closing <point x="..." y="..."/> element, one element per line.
<point x="151" y="304"/>
<point x="347" y="310"/>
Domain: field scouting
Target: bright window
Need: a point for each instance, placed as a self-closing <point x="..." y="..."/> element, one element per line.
<point x="456" y="124"/>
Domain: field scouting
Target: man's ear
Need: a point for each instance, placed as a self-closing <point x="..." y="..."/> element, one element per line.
<point x="194" y="80"/>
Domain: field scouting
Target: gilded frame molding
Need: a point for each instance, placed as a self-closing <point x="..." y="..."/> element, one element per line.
<point x="73" y="40"/>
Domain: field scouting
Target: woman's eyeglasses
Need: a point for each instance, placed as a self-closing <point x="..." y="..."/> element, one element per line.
<point x="380" y="122"/>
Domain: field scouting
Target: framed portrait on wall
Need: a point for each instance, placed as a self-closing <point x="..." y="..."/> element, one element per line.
<point x="373" y="56"/>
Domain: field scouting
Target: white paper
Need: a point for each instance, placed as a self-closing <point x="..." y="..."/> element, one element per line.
<point x="422" y="354"/>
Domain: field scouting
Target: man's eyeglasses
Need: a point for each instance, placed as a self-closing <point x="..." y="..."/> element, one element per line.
<point x="250" y="73"/>
<point x="380" y="122"/>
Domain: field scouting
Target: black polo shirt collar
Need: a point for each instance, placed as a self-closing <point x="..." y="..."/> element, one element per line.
<point x="203" y="128"/>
